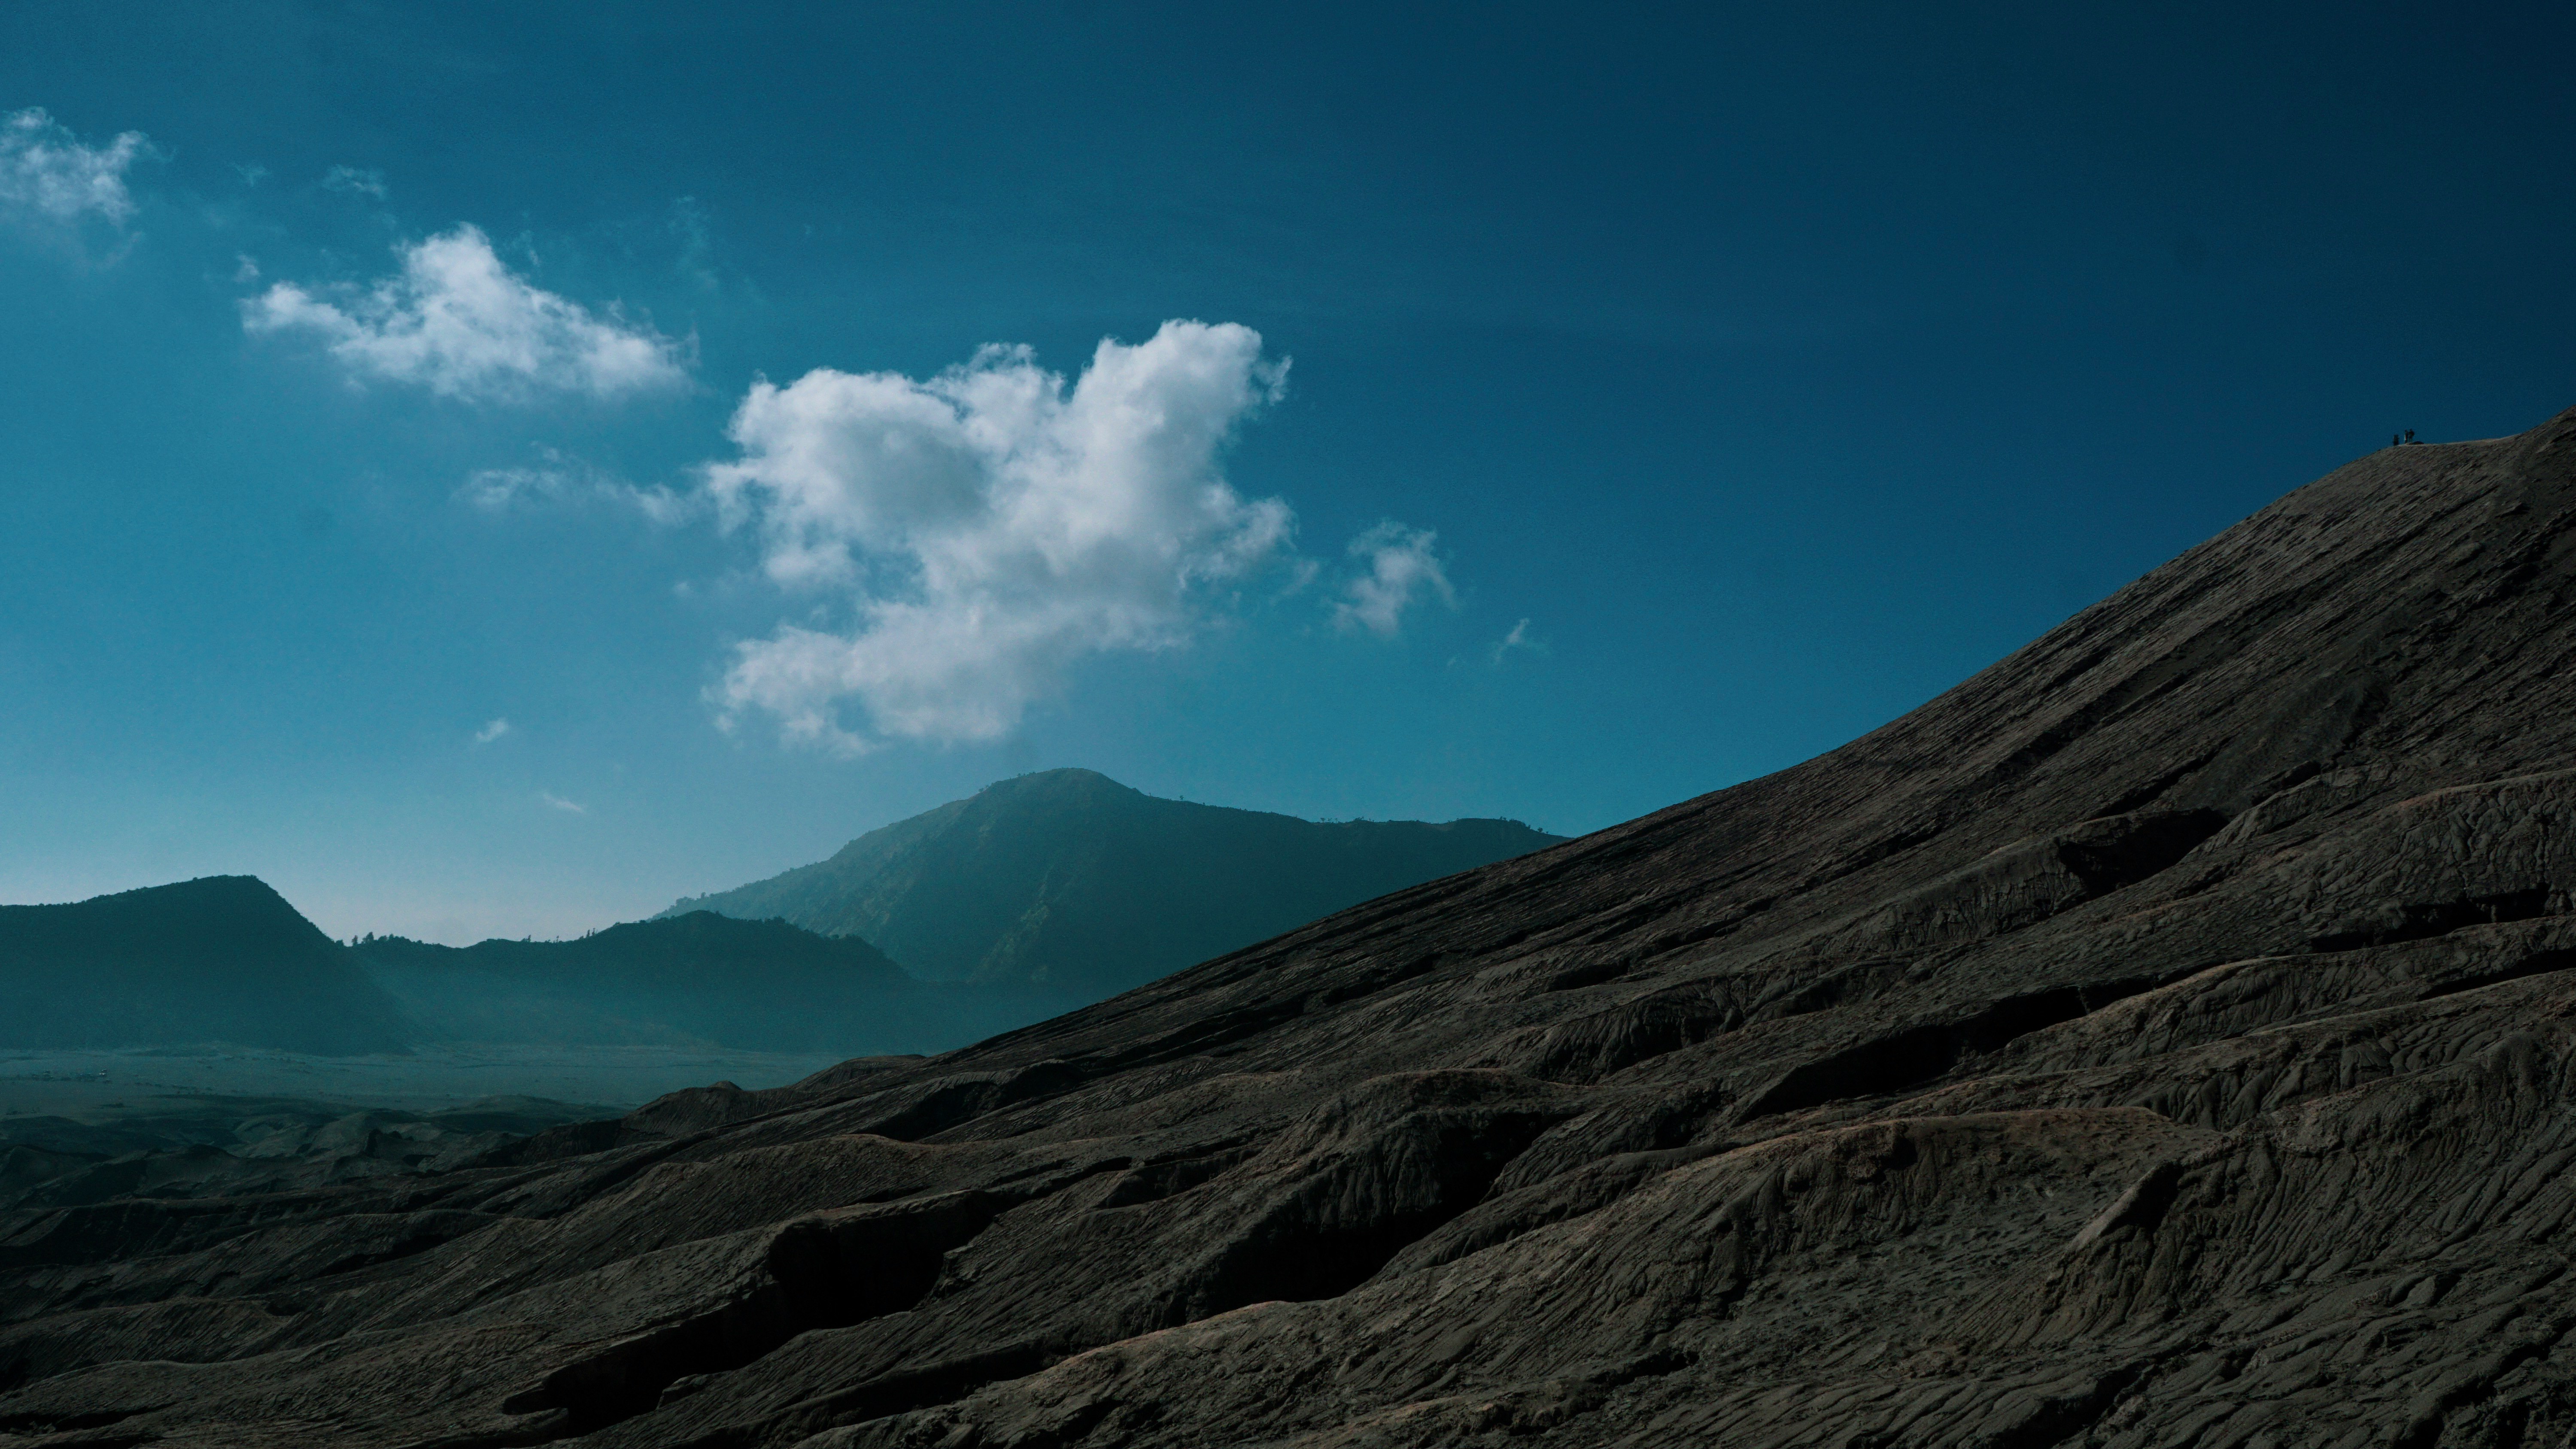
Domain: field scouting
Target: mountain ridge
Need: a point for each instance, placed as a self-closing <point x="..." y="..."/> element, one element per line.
<point x="1068" y="881"/>
<point x="693" y="979"/>
<point x="216" y="958"/>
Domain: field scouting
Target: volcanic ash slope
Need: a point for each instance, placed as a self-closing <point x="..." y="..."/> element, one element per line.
<point x="2162" y="1038"/>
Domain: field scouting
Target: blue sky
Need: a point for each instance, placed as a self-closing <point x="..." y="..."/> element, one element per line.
<point x="786" y="418"/>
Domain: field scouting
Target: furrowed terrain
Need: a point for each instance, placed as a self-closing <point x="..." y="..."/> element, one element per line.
<point x="2166" y="1037"/>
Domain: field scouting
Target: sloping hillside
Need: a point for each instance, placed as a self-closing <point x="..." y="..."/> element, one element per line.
<point x="2167" y="1037"/>
<point x="1071" y="883"/>
<point x="222" y="958"/>
<point x="691" y="979"/>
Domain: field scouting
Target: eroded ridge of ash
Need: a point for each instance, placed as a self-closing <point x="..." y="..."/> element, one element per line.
<point x="2166" y="1037"/>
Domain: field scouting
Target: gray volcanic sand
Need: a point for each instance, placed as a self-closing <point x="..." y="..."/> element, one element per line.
<point x="103" y="1085"/>
<point x="81" y="1127"/>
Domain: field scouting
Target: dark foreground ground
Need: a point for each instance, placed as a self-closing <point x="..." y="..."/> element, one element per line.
<point x="430" y="1077"/>
<point x="2164" y="1038"/>
<point x="80" y="1126"/>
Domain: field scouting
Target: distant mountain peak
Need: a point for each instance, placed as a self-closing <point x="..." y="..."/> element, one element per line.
<point x="698" y="977"/>
<point x="217" y="958"/>
<point x="1066" y="775"/>
<point x="1069" y="882"/>
<point x="244" y="888"/>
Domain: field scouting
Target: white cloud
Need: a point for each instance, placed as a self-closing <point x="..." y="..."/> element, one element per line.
<point x="491" y="732"/>
<point x="355" y="182"/>
<point x="557" y="802"/>
<point x="989" y="526"/>
<point x="1397" y="564"/>
<point x="498" y="490"/>
<point x="560" y="478"/>
<point x="689" y="224"/>
<point x="45" y="169"/>
<point x="1518" y="638"/>
<point x="458" y="321"/>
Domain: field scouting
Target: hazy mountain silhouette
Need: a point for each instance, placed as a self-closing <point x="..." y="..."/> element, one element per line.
<point x="1036" y="894"/>
<point x="1070" y="884"/>
<point x="222" y="958"/>
<point x="689" y="979"/>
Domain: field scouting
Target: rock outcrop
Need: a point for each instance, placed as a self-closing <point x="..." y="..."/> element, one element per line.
<point x="2166" y="1037"/>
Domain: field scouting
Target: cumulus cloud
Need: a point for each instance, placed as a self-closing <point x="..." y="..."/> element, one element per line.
<point x="983" y="529"/>
<point x="1397" y="564"/>
<point x="44" y="169"/>
<point x="560" y="478"/>
<point x="458" y="321"/>
<point x="491" y="732"/>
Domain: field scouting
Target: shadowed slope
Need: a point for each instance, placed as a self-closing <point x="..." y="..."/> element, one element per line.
<point x="222" y="958"/>
<point x="2166" y="1037"/>
<point x="1071" y="883"/>
<point x="700" y="977"/>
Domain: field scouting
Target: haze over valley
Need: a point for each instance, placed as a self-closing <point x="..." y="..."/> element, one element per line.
<point x="167" y="1017"/>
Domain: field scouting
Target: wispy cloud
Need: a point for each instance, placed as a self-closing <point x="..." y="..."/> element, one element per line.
<point x="46" y="171"/>
<point x="459" y="322"/>
<point x="557" y="802"/>
<point x="1398" y="564"/>
<point x="1518" y="638"/>
<point x="352" y="181"/>
<point x="560" y="478"/>
<point x="491" y="732"/>
<point x="689" y="224"/>
<point x="989" y="526"/>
